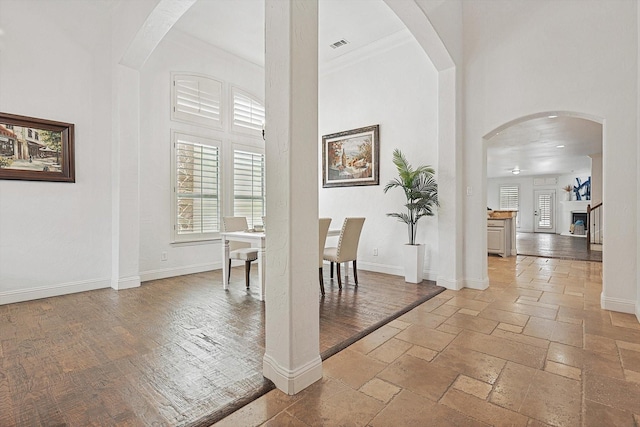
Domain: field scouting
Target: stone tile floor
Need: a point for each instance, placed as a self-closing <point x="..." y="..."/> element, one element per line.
<point x="534" y="349"/>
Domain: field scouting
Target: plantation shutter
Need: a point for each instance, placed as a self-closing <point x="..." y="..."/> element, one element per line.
<point x="544" y="211"/>
<point x="509" y="197"/>
<point x="197" y="99"/>
<point x="248" y="113"/>
<point x="197" y="180"/>
<point x="249" y="186"/>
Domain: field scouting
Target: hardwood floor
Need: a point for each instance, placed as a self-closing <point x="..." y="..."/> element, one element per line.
<point x="555" y="246"/>
<point x="177" y="351"/>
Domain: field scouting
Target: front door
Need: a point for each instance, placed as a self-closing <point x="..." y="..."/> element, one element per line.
<point x="544" y="219"/>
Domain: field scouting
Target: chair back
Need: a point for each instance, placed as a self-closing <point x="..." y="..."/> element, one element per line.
<point x="322" y="236"/>
<point x="349" y="239"/>
<point x="235" y="223"/>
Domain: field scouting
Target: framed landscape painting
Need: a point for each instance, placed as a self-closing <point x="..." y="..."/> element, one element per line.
<point x="36" y="149"/>
<point x="351" y="158"/>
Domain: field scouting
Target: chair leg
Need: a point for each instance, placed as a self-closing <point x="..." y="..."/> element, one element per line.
<point x="339" y="276"/>
<point x="355" y="272"/>
<point x="229" y="270"/>
<point x="331" y="264"/>
<point x="321" y="282"/>
<point x="247" y="272"/>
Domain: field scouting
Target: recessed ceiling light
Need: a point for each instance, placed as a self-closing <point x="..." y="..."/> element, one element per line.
<point x="559" y="146"/>
<point x="552" y="117"/>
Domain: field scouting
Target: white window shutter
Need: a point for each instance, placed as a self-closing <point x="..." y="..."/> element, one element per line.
<point x="509" y="197"/>
<point x="197" y="99"/>
<point x="248" y="113"/>
<point x="196" y="188"/>
<point x="249" y="186"/>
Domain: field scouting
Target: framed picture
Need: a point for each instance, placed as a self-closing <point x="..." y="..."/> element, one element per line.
<point x="36" y="149"/>
<point x="351" y="158"/>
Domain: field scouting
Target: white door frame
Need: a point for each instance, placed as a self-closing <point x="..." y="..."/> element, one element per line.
<point x="537" y="228"/>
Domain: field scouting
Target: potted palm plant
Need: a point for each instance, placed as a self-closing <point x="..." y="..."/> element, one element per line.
<point x="421" y="192"/>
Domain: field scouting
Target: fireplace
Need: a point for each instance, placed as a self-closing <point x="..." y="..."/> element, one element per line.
<point x="579" y="216"/>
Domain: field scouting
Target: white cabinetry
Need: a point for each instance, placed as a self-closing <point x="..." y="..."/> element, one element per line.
<point x="499" y="236"/>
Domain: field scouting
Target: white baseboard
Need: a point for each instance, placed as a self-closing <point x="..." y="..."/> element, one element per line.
<point x="638" y="310"/>
<point x="393" y="270"/>
<point x="454" y="285"/>
<point x="178" y="271"/>
<point x="480" y="285"/>
<point x="619" y="304"/>
<point x="9" y="297"/>
<point x="292" y="381"/>
<point x="123" y="283"/>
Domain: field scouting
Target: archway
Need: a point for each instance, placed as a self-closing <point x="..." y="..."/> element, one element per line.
<point x="535" y="157"/>
<point x="136" y="51"/>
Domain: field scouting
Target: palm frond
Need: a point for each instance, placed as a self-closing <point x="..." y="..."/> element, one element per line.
<point x="420" y="189"/>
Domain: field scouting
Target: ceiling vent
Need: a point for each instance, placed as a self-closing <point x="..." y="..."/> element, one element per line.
<point x="339" y="43"/>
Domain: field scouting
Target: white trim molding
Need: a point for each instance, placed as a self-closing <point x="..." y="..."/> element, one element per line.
<point x="394" y="270"/>
<point x="9" y="297"/>
<point x="454" y="285"/>
<point x="618" y="304"/>
<point x="163" y="273"/>
<point x="126" y="283"/>
<point x="479" y="285"/>
<point x="293" y="381"/>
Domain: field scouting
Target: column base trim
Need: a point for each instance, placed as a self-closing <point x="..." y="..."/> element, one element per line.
<point x="479" y="285"/>
<point x="126" y="283"/>
<point x="618" y="304"/>
<point x="292" y="381"/>
<point x="454" y="285"/>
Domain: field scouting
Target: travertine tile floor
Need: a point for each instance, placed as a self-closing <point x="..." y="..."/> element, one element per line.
<point x="534" y="349"/>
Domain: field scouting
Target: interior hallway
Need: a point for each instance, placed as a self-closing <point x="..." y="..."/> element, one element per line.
<point x="534" y="349"/>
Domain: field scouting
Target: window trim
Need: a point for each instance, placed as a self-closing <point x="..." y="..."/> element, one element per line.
<point x="247" y="149"/>
<point x="517" y="187"/>
<point x="232" y="108"/>
<point x="185" y="117"/>
<point x="177" y="238"/>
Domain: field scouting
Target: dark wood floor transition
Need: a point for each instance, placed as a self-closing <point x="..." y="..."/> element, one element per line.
<point x="556" y="246"/>
<point x="177" y="351"/>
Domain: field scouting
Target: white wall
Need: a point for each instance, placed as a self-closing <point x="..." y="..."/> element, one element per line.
<point x="397" y="89"/>
<point x="529" y="57"/>
<point x="56" y="237"/>
<point x="180" y="53"/>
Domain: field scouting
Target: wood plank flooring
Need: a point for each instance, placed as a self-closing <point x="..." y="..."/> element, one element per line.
<point x="555" y="246"/>
<point x="178" y="351"/>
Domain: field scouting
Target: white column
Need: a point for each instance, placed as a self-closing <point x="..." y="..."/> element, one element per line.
<point x="125" y="197"/>
<point x="450" y="183"/>
<point x="292" y="360"/>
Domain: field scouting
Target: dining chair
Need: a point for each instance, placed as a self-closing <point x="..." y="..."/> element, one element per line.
<point x="347" y="249"/>
<point x="324" y="229"/>
<point x="239" y="250"/>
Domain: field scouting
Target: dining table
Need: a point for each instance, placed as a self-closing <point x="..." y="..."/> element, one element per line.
<point x="257" y="239"/>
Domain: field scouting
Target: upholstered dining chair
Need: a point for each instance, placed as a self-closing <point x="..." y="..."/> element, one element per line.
<point x="324" y="229"/>
<point x="347" y="249"/>
<point x="239" y="250"/>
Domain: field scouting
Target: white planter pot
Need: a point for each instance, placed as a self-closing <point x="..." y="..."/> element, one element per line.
<point x="413" y="257"/>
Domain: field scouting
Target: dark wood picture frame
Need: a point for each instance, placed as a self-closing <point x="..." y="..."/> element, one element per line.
<point x="351" y="158"/>
<point x="36" y="149"/>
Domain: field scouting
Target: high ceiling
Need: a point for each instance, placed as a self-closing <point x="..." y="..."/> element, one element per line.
<point x="238" y="25"/>
<point x="544" y="146"/>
